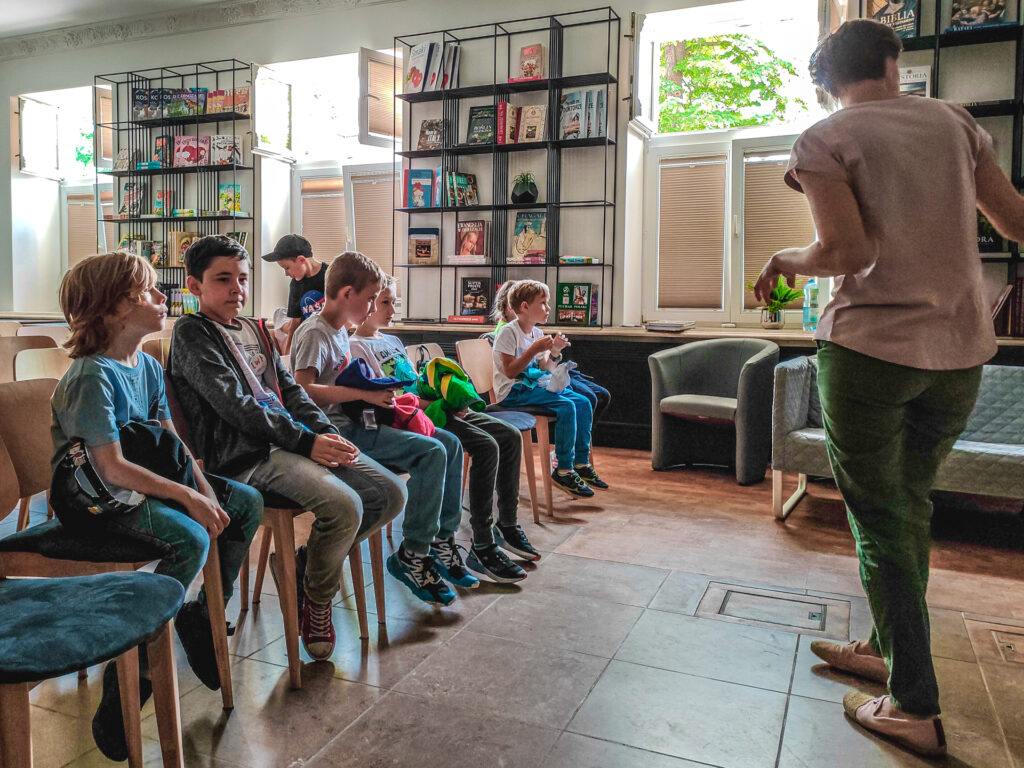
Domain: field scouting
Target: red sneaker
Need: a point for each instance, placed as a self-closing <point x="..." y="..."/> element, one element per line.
<point x="317" y="629"/>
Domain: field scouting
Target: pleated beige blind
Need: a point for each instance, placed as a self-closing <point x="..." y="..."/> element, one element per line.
<point x="774" y="217"/>
<point x="373" y="203"/>
<point x="81" y="228"/>
<point x="691" y="232"/>
<point x="381" y="112"/>
<point x="106" y="110"/>
<point x="323" y="216"/>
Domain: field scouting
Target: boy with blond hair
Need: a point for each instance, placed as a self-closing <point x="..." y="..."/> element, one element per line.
<point x="111" y="302"/>
<point x="320" y="350"/>
<point x="250" y="420"/>
<point x="521" y="355"/>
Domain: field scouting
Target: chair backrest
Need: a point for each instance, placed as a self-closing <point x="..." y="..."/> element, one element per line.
<point x="9" y="327"/>
<point x="998" y="415"/>
<point x="158" y="348"/>
<point x="164" y="334"/>
<point x="178" y="416"/>
<point x="59" y="333"/>
<point x="49" y="363"/>
<point x="476" y="359"/>
<point x="10" y="346"/>
<point x="8" y="483"/>
<point x="25" y="419"/>
<point x="421" y="354"/>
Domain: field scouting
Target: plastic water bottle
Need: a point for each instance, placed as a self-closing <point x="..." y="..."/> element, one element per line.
<point x="811" y="305"/>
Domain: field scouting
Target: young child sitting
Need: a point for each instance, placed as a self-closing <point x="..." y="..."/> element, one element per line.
<point x="249" y="419"/>
<point x="111" y="303"/>
<point x="580" y="382"/>
<point x="496" y="450"/>
<point x="320" y="350"/>
<point x="521" y="352"/>
<point x="294" y="254"/>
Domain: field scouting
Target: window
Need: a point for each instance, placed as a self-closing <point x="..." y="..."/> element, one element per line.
<point x="37" y="138"/>
<point x="379" y="121"/>
<point x="105" y="116"/>
<point x="371" y="204"/>
<point x="322" y="215"/>
<point x="81" y="234"/>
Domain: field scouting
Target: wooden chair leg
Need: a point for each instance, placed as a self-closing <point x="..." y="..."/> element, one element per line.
<point x="355" y="564"/>
<point x="243" y="584"/>
<point x="165" y="697"/>
<point x="261" y="562"/>
<point x="214" y="588"/>
<point x="83" y="674"/>
<point x="49" y="509"/>
<point x="284" y="540"/>
<point x="465" y="473"/>
<point x="389" y="530"/>
<point x="23" y="514"/>
<point x="544" y="449"/>
<point x="377" y="567"/>
<point x="531" y="469"/>
<point x="15" y="726"/>
<point x="128" y="683"/>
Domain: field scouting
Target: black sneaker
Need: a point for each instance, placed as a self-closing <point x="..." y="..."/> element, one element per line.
<point x="494" y="564"/>
<point x="108" y="722"/>
<point x="589" y="476"/>
<point x="417" y="572"/>
<point x="300" y="576"/>
<point x="193" y="627"/>
<point x="448" y="561"/>
<point x="572" y="483"/>
<point x="512" y="538"/>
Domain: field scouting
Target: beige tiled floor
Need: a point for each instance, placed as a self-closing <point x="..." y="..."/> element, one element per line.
<point x="597" y="659"/>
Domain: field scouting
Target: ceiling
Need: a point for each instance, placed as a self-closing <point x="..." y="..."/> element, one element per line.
<point x="23" y="18"/>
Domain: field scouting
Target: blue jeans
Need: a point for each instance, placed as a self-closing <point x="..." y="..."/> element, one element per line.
<point x="188" y="542"/>
<point x="434" y="464"/>
<point x="572" y="426"/>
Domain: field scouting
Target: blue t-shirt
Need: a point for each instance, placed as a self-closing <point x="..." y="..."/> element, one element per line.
<point x="98" y="396"/>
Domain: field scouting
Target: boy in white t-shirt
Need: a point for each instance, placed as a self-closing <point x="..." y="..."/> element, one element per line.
<point x="522" y="353"/>
<point x="495" y="447"/>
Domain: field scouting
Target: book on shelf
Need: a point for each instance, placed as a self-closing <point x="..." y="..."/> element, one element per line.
<point x="531" y="123"/>
<point x="432" y="75"/>
<point x="229" y="198"/>
<point x="140" y="104"/>
<point x="162" y="200"/>
<point x="419" y="65"/>
<point x="431" y="134"/>
<point x="570" y="259"/>
<point x="472" y="195"/>
<point x="225" y="149"/>
<point x="188" y="213"/>
<point x="468" y="261"/>
<point x="506" y="127"/>
<point x="125" y="158"/>
<point x="531" y="63"/>
<point x="417" y="187"/>
<point x="916" y="81"/>
<point x="177" y="243"/>
<point x="228" y="100"/>
<point x="977" y="14"/>
<point x="148" y="165"/>
<point x="595" y="113"/>
<point x="989" y="240"/>
<point x="470" y="238"/>
<point x="529" y="237"/>
<point x="424" y="245"/>
<point x="1000" y="311"/>
<point x="480" y="129"/>
<point x="480" y="319"/>
<point x="131" y="199"/>
<point x="900" y="15"/>
<point x="191" y="151"/>
<point x="439" y="187"/>
<point x="450" y="67"/>
<point x="570" y="116"/>
<point x="1017" y="308"/>
<point x="242" y="238"/>
<point x="476" y="296"/>
<point x="163" y="150"/>
<point x="576" y="304"/>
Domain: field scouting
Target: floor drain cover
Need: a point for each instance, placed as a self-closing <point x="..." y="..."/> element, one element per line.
<point x="772" y="609"/>
<point x="995" y="642"/>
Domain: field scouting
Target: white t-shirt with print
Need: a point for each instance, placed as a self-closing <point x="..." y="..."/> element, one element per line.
<point x="513" y="341"/>
<point x="319" y="345"/>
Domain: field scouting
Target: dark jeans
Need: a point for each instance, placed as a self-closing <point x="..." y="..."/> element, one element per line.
<point x="496" y="451"/>
<point x="888" y="428"/>
<point x="598" y="396"/>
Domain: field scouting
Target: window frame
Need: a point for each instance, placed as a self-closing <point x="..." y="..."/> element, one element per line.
<point x="52" y="173"/>
<point x="366" y="55"/>
<point x="318" y="170"/>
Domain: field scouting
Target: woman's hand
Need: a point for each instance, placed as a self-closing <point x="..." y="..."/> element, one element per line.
<point x="769" y="277"/>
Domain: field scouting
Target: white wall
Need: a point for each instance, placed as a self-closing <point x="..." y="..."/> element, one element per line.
<point x="334" y="31"/>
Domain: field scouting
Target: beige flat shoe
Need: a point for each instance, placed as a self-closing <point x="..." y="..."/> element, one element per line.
<point x="923" y="735"/>
<point x="855" y="658"/>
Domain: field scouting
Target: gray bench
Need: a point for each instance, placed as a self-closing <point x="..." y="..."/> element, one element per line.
<point x="988" y="459"/>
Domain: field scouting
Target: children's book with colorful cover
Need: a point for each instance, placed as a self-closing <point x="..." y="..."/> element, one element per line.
<point x="242" y="238"/>
<point x="529" y="237"/>
<point x="225" y="149"/>
<point x="163" y="150"/>
<point x="125" y="159"/>
<point x="177" y="244"/>
<point x="229" y="197"/>
<point x="977" y="14"/>
<point x="571" y="115"/>
<point x="531" y="123"/>
<point x="191" y="150"/>
<point x="240" y="100"/>
<point x="460" y="189"/>
<point x="901" y="15"/>
<point x="531" y="63"/>
<point x="472" y="196"/>
<point x="576" y="304"/>
<point x="131" y="199"/>
<point x="481" y="124"/>
<point x="469" y="238"/>
<point x="476" y="295"/>
<point x="140" y="104"/>
<point x="431" y="134"/>
<point x="418" y="192"/>
<point x="423" y="245"/>
<point x="163" y="202"/>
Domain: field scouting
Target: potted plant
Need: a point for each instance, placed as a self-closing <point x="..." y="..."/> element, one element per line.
<point x="524" y="188"/>
<point x="772" y="314"/>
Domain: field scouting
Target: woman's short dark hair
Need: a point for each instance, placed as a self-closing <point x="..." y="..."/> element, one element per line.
<point x="857" y="51"/>
<point x="206" y="249"/>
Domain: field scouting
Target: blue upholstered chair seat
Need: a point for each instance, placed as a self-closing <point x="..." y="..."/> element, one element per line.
<point x="51" y="539"/>
<point x="50" y="627"/>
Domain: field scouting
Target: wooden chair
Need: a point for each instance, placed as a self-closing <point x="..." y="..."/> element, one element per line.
<point x="49" y="363"/>
<point x="9" y="327"/>
<point x="475" y="358"/>
<point x="419" y="354"/>
<point x="164" y="334"/>
<point x="59" y="333"/>
<point x="159" y="348"/>
<point x="10" y="346"/>
<point x="25" y="430"/>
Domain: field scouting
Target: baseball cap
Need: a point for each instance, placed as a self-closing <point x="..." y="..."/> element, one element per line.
<point x="288" y="247"/>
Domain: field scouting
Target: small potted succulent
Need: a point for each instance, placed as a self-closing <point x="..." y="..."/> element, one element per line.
<point x="773" y="314"/>
<point x="524" y="188"/>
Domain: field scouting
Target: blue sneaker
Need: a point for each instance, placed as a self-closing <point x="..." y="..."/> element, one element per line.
<point x="448" y="561"/>
<point x="417" y="572"/>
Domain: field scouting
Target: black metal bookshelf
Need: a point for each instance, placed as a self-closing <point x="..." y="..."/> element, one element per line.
<point x="194" y="187"/>
<point x="557" y="32"/>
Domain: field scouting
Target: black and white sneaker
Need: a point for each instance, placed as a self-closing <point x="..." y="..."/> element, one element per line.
<point x="448" y="561"/>
<point x="494" y="564"/>
<point x="588" y="475"/>
<point x="418" y="573"/>
<point x="512" y="538"/>
<point x="572" y="483"/>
